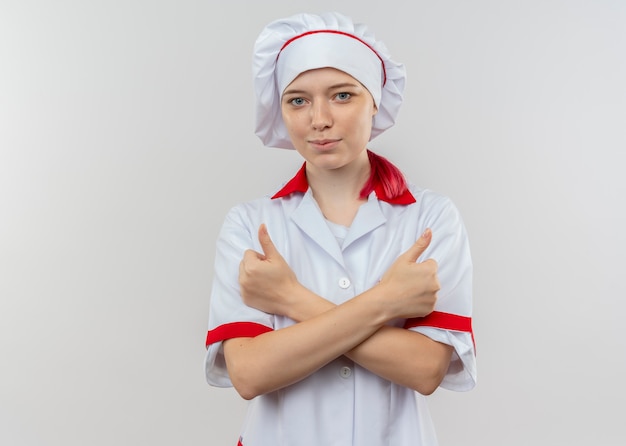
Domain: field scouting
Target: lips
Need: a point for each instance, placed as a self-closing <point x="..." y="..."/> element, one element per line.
<point x="324" y="144"/>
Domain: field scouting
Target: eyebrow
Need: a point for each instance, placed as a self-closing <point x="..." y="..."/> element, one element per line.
<point x="332" y="87"/>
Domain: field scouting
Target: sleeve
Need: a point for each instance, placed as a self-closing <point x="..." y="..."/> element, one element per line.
<point x="451" y="322"/>
<point x="229" y="317"/>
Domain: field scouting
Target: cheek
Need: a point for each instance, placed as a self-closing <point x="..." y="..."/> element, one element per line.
<point x="366" y="121"/>
<point x="363" y="128"/>
<point x="290" y="121"/>
<point x="294" y="130"/>
<point x="291" y="129"/>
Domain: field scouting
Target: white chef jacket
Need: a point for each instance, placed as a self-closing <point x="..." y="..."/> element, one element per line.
<point x="342" y="403"/>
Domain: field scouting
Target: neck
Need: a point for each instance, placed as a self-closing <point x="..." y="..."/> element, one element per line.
<point x="337" y="191"/>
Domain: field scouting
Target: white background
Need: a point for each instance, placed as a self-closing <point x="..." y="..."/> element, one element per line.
<point x="126" y="135"/>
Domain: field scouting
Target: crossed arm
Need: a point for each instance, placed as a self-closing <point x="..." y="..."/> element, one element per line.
<point x="325" y="331"/>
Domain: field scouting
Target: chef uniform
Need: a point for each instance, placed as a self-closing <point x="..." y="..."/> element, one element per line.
<point x="342" y="403"/>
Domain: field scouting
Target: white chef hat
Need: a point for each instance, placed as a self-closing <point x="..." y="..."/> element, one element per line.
<point x="287" y="47"/>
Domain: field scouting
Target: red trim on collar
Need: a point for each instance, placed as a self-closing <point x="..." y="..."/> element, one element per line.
<point x="404" y="199"/>
<point x="299" y="183"/>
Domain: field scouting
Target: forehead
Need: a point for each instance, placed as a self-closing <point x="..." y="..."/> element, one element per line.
<point x="321" y="78"/>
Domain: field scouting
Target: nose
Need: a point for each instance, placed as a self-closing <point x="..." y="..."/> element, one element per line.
<point x="321" y="117"/>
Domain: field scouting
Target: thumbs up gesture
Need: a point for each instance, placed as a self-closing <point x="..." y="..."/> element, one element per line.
<point x="411" y="288"/>
<point x="265" y="279"/>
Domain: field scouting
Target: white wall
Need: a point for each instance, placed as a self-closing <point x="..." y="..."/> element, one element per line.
<point x="126" y="134"/>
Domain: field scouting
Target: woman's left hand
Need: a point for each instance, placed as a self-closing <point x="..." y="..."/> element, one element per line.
<point x="267" y="282"/>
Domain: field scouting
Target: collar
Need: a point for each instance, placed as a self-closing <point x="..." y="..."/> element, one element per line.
<point x="299" y="183"/>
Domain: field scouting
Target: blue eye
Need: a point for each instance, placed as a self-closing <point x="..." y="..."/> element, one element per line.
<point x="297" y="101"/>
<point x="343" y="96"/>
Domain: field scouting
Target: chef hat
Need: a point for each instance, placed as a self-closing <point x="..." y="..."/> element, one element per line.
<point x="290" y="46"/>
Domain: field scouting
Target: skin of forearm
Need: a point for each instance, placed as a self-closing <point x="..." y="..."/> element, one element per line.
<point x="305" y="347"/>
<point x="403" y="356"/>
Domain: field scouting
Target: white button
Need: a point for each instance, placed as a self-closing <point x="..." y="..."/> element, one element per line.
<point x="345" y="372"/>
<point x="344" y="282"/>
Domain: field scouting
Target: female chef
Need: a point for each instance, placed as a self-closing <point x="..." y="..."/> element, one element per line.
<point x="344" y="298"/>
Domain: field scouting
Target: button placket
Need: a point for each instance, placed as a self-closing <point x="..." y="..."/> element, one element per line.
<point x="345" y="372"/>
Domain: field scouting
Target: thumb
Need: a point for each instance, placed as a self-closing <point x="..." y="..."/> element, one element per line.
<point x="266" y="242"/>
<point x="419" y="246"/>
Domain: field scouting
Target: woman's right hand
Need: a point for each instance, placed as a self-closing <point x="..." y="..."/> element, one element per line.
<point x="411" y="287"/>
<point x="266" y="281"/>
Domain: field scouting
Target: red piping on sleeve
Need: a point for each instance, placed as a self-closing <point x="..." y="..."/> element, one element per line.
<point x="235" y="330"/>
<point x="446" y="321"/>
